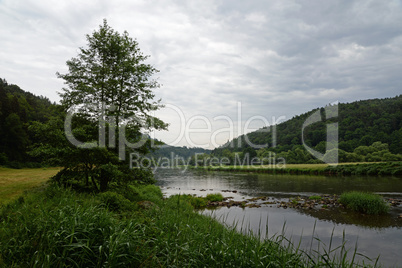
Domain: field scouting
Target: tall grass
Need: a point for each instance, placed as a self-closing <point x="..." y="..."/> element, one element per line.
<point x="217" y="197"/>
<point x="367" y="203"/>
<point x="62" y="229"/>
<point x="56" y="227"/>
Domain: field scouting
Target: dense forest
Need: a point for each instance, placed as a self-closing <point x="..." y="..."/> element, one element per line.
<point x="18" y="110"/>
<point x="369" y="130"/>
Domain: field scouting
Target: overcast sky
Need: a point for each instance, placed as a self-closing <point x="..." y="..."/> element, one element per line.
<point x="248" y="62"/>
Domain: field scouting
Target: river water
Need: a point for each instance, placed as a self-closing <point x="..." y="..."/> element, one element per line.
<point x="313" y="229"/>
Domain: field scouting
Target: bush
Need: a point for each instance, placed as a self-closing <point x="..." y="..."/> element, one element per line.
<point x="3" y="159"/>
<point x="115" y="201"/>
<point x="367" y="203"/>
<point x="136" y="193"/>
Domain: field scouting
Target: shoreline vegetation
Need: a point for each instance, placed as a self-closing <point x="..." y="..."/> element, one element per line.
<point x="53" y="226"/>
<point x="371" y="169"/>
<point x="361" y="202"/>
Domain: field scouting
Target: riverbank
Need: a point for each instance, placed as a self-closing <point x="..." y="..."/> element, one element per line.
<point x="372" y="169"/>
<point x="135" y="227"/>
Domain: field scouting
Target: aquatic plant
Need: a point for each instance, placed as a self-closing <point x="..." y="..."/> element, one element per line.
<point x="367" y="203"/>
<point x="214" y="197"/>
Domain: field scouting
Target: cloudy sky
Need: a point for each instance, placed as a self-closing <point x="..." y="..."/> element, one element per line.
<point x="227" y="67"/>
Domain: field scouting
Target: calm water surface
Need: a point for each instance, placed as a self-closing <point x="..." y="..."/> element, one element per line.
<point x="375" y="235"/>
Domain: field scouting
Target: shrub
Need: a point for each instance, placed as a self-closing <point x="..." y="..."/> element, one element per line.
<point x="138" y="192"/>
<point x="115" y="201"/>
<point x="367" y="203"/>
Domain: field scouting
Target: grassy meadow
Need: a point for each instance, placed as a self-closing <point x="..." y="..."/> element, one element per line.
<point x="359" y="168"/>
<point x="13" y="182"/>
<point x="298" y="166"/>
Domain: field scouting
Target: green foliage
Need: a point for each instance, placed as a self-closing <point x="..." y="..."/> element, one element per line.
<point x="367" y="203"/>
<point x="3" y="159"/>
<point x="55" y="227"/>
<point x="183" y="203"/>
<point x="115" y="201"/>
<point x="191" y="201"/>
<point x="176" y="154"/>
<point x="197" y="202"/>
<point x="314" y="197"/>
<point x="18" y="110"/>
<point x="65" y="230"/>
<point x="369" y="130"/>
<point x="109" y="80"/>
<point x="144" y="192"/>
<point x="388" y="168"/>
<point x="214" y="197"/>
<point x="108" y="88"/>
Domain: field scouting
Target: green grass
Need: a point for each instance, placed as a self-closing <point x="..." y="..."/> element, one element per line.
<point x="358" y="168"/>
<point x="314" y="197"/>
<point x="215" y="197"/>
<point x="13" y="182"/>
<point x="367" y="203"/>
<point x="381" y="168"/>
<point x="56" y="227"/>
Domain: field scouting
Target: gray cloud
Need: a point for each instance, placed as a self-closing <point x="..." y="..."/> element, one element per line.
<point x="276" y="58"/>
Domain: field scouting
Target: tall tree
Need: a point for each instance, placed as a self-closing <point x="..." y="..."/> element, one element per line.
<point x="108" y="87"/>
<point x="110" y="79"/>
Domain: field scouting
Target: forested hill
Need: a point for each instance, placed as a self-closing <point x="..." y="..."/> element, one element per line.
<point x="361" y="124"/>
<point x="18" y="109"/>
<point x="183" y="154"/>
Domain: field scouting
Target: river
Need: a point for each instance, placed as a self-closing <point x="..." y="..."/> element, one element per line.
<point x="311" y="228"/>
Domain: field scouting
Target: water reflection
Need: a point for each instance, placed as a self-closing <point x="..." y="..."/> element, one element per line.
<point x="375" y="234"/>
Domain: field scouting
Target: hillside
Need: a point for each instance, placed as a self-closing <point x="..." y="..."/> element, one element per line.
<point x="18" y="109"/>
<point x="175" y="154"/>
<point x="365" y="127"/>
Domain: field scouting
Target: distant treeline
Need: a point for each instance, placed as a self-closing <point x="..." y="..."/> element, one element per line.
<point x="182" y="154"/>
<point x="369" y="130"/>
